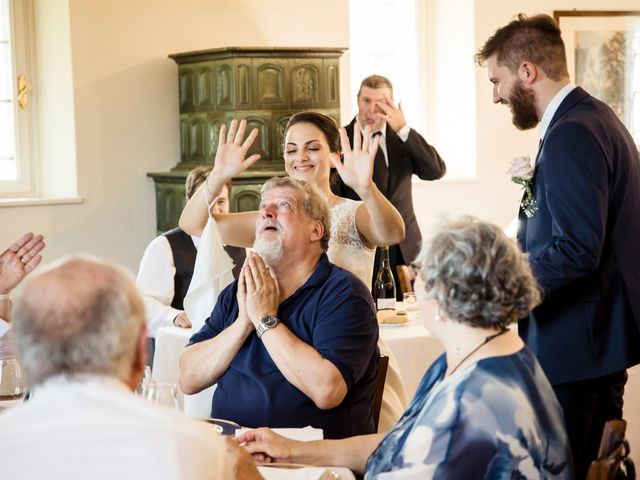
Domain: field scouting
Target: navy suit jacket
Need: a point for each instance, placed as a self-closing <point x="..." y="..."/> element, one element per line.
<point x="584" y="244"/>
<point x="415" y="156"/>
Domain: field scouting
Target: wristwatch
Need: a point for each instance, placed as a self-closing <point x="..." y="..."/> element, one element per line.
<point x="267" y="322"/>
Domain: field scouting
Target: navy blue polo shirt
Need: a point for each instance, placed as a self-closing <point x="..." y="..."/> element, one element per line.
<point x="333" y="312"/>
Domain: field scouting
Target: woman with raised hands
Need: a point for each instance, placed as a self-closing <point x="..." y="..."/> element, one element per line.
<point x="312" y="145"/>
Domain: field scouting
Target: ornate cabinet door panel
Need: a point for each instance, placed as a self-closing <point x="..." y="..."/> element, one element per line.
<point x="246" y="196"/>
<point x="187" y="89"/>
<point x="265" y="86"/>
<point x="271" y="83"/>
<point x="225" y="89"/>
<point x="244" y="81"/>
<point x="305" y="84"/>
<point x="197" y="138"/>
<point x="331" y="83"/>
<point x="214" y="122"/>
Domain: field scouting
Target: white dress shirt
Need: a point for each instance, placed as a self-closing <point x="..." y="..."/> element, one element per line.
<point x="403" y="133"/>
<point x="93" y="427"/>
<point x="551" y="109"/>
<point x="155" y="282"/>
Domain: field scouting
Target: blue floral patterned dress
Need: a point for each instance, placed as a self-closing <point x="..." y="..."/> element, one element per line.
<point x="495" y="419"/>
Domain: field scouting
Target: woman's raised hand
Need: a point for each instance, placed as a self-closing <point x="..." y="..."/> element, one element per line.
<point x="356" y="170"/>
<point x="230" y="155"/>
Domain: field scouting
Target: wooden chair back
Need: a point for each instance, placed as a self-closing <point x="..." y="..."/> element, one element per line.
<point x="613" y="462"/>
<point x="406" y="278"/>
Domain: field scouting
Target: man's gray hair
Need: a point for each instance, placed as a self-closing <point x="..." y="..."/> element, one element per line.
<point x="80" y="316"/>
<point x="477" y="274"/>
<point x="315" y="203"/>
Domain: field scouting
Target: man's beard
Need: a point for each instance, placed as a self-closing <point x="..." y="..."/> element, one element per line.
<point x="522" y="103"/>
<point x="271" y="250"/>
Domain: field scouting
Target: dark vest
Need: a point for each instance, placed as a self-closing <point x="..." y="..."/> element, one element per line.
<point x="238" y="255"/>
<point x="184" y="258"/>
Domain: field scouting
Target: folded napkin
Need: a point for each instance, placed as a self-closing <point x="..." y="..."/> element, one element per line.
<point x="211" y="274"/>
<point x="302" y="473"/>
<point x="305" y="434"/>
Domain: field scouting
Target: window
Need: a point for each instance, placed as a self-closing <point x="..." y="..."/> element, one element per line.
<point x="17" y="112"/>
<point x="430" y="65"/>
<point x="37" y="143"/>
<point x="383" y="41"/>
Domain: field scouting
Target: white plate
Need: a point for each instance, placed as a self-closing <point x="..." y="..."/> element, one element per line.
<point x="392" y="325"/>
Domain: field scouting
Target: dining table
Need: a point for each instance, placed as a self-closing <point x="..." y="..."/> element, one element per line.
<point x="170" y="342"/>
<point x="413" y="346"/>
<point x="411" y="343"/>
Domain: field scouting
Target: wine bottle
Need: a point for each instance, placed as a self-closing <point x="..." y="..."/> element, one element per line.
<point x="384" y="288"/>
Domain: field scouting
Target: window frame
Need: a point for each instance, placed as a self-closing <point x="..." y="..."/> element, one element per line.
<point x="23" y="62"/>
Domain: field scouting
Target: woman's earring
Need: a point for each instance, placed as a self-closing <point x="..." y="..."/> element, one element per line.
<point x="437" y="315"/>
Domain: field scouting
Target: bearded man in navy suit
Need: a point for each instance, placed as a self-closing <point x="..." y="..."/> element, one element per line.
<point x="583" y="232"/>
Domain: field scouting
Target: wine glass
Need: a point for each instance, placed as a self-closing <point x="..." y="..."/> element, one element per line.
<point x="163" y="394"/>
<point x="410" y="305"/>
<point x="13" y="384"/>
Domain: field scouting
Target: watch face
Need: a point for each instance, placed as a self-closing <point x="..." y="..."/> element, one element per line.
<point x="269" y="321"/>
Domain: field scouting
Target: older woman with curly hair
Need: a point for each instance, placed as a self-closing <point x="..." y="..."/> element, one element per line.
<point x="484" y="409"/>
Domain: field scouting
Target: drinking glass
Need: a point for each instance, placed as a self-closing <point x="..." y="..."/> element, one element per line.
<point x="163" y="394"/>
<point x="13" y="384"/>
<point x="410" y="305"/>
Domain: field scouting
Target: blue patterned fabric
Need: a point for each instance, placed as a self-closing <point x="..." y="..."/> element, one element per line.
<point x="495" y="419"/>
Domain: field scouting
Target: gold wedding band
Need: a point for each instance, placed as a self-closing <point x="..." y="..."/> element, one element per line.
<point x="23" y="261"/>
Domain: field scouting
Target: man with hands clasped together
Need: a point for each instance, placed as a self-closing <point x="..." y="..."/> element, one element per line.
<point x="403" y="152"/>
<point x="293" y="342"/>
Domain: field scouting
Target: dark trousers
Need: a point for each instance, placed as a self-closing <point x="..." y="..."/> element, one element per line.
<point x="395" y="258"/>
<point x="587" y="405"/>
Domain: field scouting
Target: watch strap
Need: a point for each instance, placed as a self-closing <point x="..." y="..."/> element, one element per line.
<point x="267" y="322"/>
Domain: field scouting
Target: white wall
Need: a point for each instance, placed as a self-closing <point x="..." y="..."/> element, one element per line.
<point x="126" y="106"/>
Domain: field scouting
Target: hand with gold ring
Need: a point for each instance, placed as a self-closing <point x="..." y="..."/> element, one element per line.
<point x="18" y="260"/>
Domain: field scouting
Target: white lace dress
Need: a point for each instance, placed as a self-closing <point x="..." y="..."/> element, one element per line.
<point x="346" y="249"/>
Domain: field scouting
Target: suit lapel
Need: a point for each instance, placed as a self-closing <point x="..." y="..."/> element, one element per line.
<point x="575" y="96"/>
<point x="394" y="154"/>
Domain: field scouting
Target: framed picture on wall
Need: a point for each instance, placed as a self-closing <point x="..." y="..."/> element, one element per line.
<point x="603" y="55"/>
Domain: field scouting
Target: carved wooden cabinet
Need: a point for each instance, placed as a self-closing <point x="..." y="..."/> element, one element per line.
<point x="265" y="86"/>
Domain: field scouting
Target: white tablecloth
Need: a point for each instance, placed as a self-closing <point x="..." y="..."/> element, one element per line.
<point x="414" y="348"/>
<point x="170" y="342"/>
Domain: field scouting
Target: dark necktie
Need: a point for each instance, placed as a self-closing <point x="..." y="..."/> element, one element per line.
<point x="380" y="169"/>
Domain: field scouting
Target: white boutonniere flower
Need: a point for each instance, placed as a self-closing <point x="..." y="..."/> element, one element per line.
<point x="521" y="172"/>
